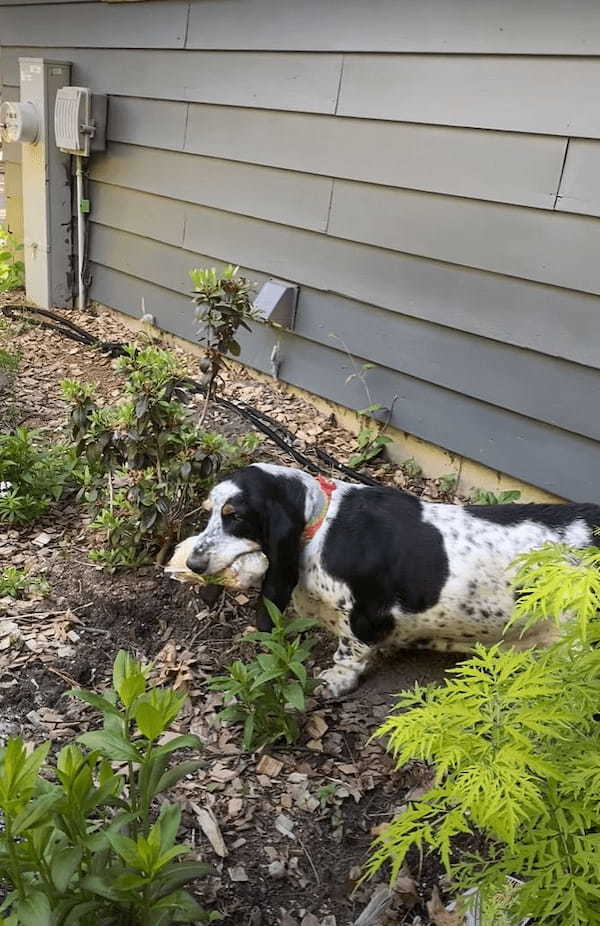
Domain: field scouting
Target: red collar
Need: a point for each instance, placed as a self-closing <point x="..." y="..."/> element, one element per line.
<point x="327" y="488"/>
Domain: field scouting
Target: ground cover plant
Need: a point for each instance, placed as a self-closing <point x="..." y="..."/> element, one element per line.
<point x="145" y="465"/>
<point x="12" y="268"/>
<point x="33" y="474"/>
<point x="268" y="693"/>
<point x="486" y="497"/>
<point x="16" y="583"/>
<point x="79" y="840"/>
<point x="515" y="741"/>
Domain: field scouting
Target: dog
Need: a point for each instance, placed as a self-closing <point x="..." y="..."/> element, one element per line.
<point x="377" y="566"/>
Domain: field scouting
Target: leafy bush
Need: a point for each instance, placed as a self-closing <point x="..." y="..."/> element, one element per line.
<point x="371" y="438"/>
<point x="223" y="306"/>
<point x="144" y="465"/>
<point x="516" y="745"/>
<point x="12" y="268"/>
<point x="32" y="475"/>
<point x="268" y="693"/>
<point x="485" y="497"/>
<point x="16" y="583"/>
<point x="77" y="843"/>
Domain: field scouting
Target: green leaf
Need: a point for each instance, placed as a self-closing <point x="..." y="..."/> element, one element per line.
<point x="96" y="700"/>
<point x="111" y="745"/>
<point x="98" y="884"/>
<point x="35" y="812"/>
<point x="129" y="680"/>
<point x="169" y="820"/>
<point x="178" y="873"/>
<point x="175" y="774"/>
<point x="249" y="732"/>
<point x="35" y="910"/>
<point x="149" y="720"/>
<point x="64" y="865"/>
<point x="126" y="848"/>
<point x="178" y="742"/>
<point x="294" y="695"/>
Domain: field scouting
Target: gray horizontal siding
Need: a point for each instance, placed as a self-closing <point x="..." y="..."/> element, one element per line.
<point x="564" y="464"/>
<point x="580" y="184"/>
<point x="494" y="26"/>
<point x="282" y="196"/>
<point x="534" y="244"/>
<point x="304" y="82"/>
<point x="550" y="390"/>
<point x="159" y="24"/>
<point x="543" y="318"/>
<point x="524" y="94"/>
<point x="547" y="27"/>
<point x="528" y="243"/>
<point x="556" y="96"/>
<point x="506" y="167"/>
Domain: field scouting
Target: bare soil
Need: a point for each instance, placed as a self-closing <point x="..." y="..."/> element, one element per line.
<point x="297" y="829"/>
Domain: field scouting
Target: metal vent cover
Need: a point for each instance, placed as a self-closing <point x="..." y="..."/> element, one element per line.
<point x="72" y="120"/>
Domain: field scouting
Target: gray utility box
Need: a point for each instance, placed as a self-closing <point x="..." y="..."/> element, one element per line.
<point x="46" y="189"/>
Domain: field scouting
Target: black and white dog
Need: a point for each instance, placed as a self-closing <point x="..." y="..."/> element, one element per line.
<point x="377" y="566"/>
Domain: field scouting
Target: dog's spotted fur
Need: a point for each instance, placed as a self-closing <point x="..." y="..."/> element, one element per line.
<point x="384" y="568"/>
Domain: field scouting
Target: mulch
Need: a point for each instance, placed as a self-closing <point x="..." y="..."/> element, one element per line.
<point x="286" y="829"/>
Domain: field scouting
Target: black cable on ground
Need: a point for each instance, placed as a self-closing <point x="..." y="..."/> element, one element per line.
<point x="270" y="427"/>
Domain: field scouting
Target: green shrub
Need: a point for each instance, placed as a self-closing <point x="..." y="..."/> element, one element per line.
<point x="268" y="693"/>
<point x="485" y="497"/>
<point x="516" y="746"/>
<point x="80" y="841"/>
<point x="223" y="306"/>
<point x="144" y="465"/>
<point x="15" y="583"/>
<point x="33" y="475"/>
<point x="12" y="268"/>
<point x="371" y="439"/>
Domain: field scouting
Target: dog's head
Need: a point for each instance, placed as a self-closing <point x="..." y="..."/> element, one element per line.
<point x="260" y="507"/>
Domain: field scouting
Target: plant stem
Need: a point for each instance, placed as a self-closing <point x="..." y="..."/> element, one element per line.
<point x="18" y="881"/>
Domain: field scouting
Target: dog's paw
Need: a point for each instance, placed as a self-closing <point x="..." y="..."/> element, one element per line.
<point x="337" y="681"/>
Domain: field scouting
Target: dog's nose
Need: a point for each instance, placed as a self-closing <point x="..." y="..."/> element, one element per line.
<point x="197" y="562"/>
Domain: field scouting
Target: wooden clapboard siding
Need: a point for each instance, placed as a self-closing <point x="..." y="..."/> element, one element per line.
<point x="500" y="166"/>
<point x="542" y="27"/>
<point x="484" y="433"/>
<point x="282" y="196"/>
<point x="427" y="172"/>
<point x="546" y="319"/>
<point x="580" y="185"/>
<point x="528" y="243"/>
<point x="161" y="24"/>
<point x="555" y="391"/>
<point x="301" y="82"/>
<point x="524" y="94"/>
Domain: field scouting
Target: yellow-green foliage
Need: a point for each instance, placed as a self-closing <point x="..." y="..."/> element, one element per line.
<point x="516" y="749"/>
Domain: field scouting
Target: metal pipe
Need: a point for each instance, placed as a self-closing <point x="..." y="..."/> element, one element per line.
<point x="81" y="300"/>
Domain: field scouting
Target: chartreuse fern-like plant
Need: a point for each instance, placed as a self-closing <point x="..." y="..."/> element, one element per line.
<point x="516" y="747"/>
<point x="84" y="842"/>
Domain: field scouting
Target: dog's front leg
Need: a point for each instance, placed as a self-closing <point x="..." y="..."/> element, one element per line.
<point x="351" y="661"/>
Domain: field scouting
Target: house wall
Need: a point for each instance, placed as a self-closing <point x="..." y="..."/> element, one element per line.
<point x="427" y="172"/>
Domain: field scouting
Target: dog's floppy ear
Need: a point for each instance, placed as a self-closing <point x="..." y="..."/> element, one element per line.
<point x="281" y="546"/>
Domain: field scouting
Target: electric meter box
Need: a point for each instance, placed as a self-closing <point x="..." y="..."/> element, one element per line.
<point x="80" y="121"/>
<point x="19" y="122"/>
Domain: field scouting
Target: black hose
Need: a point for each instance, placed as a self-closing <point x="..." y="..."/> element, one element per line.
<point x="270" y="427"/>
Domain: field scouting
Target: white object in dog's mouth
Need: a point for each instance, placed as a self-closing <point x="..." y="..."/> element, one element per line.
<point x="245" y="571"/>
